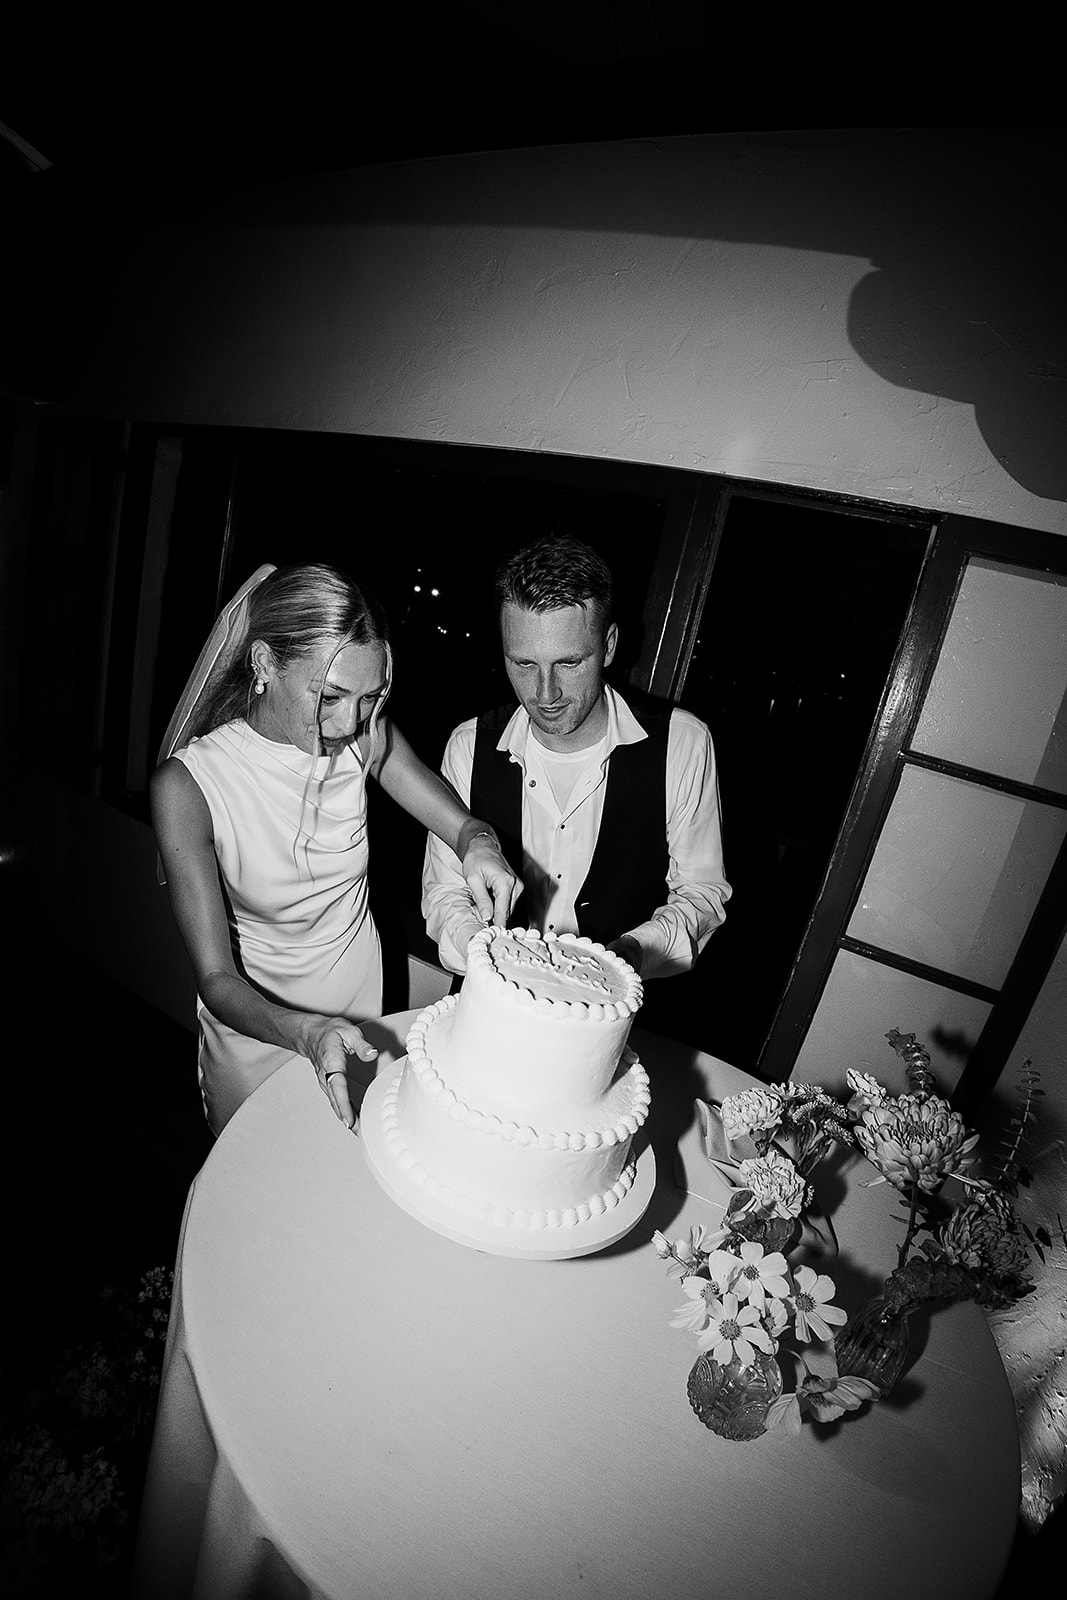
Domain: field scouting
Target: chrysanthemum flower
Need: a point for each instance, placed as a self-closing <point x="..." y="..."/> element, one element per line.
<point x="985" y="1236"/>
<point x="915" y="1141"/>
<point x="761" y="1276"/>
<point x="811" y="1310"/>
<point x="752" y="1111"/>
<point x="776" y="1184"/>
<point x="734" y="1330"/>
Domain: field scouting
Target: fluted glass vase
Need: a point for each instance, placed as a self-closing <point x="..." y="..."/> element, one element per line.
<point x="733" y="1401"/>
<point x="874" y="1345"/>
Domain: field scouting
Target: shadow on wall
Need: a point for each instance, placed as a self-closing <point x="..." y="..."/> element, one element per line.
<point x="944" y="240"/>
<point x="980" y="319"/>
<point x="962" y="228"/>
<point x="968" y="347"/>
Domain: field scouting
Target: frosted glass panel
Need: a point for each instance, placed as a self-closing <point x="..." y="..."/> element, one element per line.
<point x="997" y="697"/>
<point x="862" y="1001"/>
<point x="956" y="875"/>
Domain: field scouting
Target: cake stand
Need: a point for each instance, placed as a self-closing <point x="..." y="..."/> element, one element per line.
<point x="535" y="1244"/>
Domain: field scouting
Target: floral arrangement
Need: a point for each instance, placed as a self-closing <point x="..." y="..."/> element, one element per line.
<point x="978" y="1250"/>
<point x="747" y="1305"/>
<point x="753" y="1313"/>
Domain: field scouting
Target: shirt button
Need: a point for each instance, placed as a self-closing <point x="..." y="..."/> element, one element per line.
<point x="533" y="783"/>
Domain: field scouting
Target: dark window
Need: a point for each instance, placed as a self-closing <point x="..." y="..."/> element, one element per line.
<point x="804" y="611"/>
<point x="427" y="532"/>
<point x="66" y="613"/>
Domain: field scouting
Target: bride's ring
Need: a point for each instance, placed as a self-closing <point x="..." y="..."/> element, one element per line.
<point x="337" y="1072"/>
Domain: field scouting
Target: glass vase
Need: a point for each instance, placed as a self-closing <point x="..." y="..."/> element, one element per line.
<point x="733" y="1401"/>
<point x="774" y="1233"/>
<point x="874" y="1345"/>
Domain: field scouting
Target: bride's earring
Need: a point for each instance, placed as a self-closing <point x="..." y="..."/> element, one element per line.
<point x="260" y="686"/>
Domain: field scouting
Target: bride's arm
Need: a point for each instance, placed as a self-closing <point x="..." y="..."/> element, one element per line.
<point x="185" y="838"/>
<point x="430" y="800"/>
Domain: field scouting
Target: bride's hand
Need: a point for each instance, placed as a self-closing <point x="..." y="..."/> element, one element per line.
<point x="493" y="886"/>
<point x="328" y="1043"/>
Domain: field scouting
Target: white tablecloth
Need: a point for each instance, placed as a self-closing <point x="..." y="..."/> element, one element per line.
<point x="353" y="1405"/>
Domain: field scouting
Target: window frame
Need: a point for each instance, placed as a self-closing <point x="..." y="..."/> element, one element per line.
<point x="955" y="542"/>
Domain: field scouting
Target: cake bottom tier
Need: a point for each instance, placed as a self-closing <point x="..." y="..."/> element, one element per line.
<point x="506" y="1174"/>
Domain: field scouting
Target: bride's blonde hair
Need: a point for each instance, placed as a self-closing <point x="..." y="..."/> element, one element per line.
<point x="295" y="611"/>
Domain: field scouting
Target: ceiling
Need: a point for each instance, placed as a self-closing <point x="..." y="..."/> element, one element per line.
<point x="129" y="109"/>
<point x="105" y="110"/>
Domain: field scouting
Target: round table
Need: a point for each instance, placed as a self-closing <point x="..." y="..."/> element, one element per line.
<point x="354" y="1405"/>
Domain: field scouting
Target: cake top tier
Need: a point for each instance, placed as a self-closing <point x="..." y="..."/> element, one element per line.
<point x="567" y="972"/>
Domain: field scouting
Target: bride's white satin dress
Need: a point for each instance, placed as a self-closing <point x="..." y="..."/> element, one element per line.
<point x="291" y="842"/>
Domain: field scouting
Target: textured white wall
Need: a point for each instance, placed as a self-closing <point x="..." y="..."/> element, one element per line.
<point x="872" y="312"/>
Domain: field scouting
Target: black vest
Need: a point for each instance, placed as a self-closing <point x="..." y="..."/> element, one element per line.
<point x="627" y="877"/>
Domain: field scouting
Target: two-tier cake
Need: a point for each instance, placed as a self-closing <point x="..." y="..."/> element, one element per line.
<point x="510" y="1124"/>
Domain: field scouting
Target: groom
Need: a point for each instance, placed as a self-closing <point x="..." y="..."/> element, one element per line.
<point x="612" y="811"/>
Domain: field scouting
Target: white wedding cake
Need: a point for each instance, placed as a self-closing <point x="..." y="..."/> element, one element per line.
<point x="515" y="1110"/>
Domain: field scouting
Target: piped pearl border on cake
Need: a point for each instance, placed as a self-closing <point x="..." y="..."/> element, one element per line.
<point x="434" y="1086"/>
<point x="479" y="959"/>
<point x="499" y="1216"/>
<point x="527" y="1244"/>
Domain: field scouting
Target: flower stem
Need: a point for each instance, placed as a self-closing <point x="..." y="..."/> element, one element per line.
<point x="910" y="1234"/>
